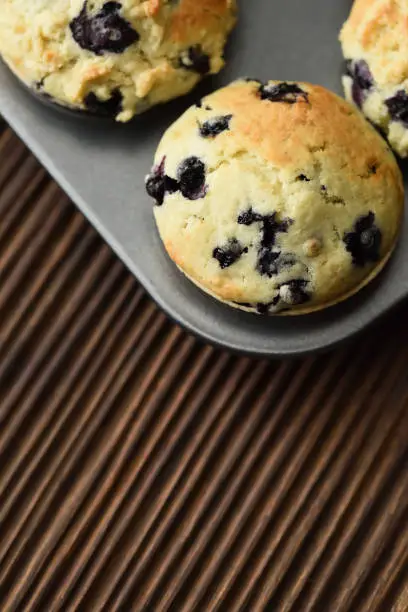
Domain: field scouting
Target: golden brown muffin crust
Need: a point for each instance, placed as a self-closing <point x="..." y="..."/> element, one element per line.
<point x="310" y="169"/>
<point x="191" y="16"/>
<point x="322" y="123"/>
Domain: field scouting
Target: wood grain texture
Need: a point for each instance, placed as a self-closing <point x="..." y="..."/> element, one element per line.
<point x="141" y="470"/>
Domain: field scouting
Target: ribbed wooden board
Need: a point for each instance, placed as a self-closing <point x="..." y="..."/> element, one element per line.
<point x="141" y="470"/>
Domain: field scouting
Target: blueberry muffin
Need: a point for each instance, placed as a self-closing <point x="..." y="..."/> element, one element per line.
<point x="375" y="46"/>
<point x="114" y="58"/>
<point x="276" y="197"/>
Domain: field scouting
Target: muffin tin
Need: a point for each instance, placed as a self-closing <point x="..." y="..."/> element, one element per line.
<point x="102" y="167"/>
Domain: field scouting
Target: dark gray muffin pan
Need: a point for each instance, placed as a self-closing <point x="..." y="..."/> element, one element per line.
<point x="102" y="167"/>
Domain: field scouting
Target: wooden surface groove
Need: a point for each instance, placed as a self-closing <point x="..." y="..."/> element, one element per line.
<point x="102" y="552"/>
<point x="93" y="508"/>
<point x="235" y="454"/>
<point x="15" y="201"/>
<point x="49" y="424"/>
<point x="12" y="153"/>
<point x="143" y="471"/>
<point x="229" y="406"/>
<point x="346" y="441"/>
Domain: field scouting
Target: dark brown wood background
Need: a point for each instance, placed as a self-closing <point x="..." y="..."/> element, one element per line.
<point x="142" y="470"/>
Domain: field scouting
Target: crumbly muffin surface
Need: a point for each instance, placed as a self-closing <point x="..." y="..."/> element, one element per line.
<point x="276" y="197"/>
<point x="114" y="58"/>
<point x="375" y="45"/>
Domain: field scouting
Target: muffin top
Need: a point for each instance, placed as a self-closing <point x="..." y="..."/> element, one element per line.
<point x="276" y="196"/>
<point x="377" y="32"/>
<point x="116" y="58"/>
<point x="375" y="45"/>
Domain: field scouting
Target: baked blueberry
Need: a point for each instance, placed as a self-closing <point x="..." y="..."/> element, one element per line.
<point x="271" y="262"/>
<point x="271" y="227"/>
<point x="214" y="126"/>
<point x="294" y="292"/>
<point x="267" y="264"/>
<point x="104" y="108"/>
<point x="248" y="217"/>
<point x="398" y="107"/>
<point x="268" y="259"/>
<point x="282" y="92"/>
<point x="229" y="253"/>
<point x="105" y="31"/>
<point x="363" y="80"/>
<point x="158" y="183"/>
<point x="195" y="59"/>
<point x="364" y="242"/>
<point x="155" y="188"/>
<point x="191" y="178"/>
